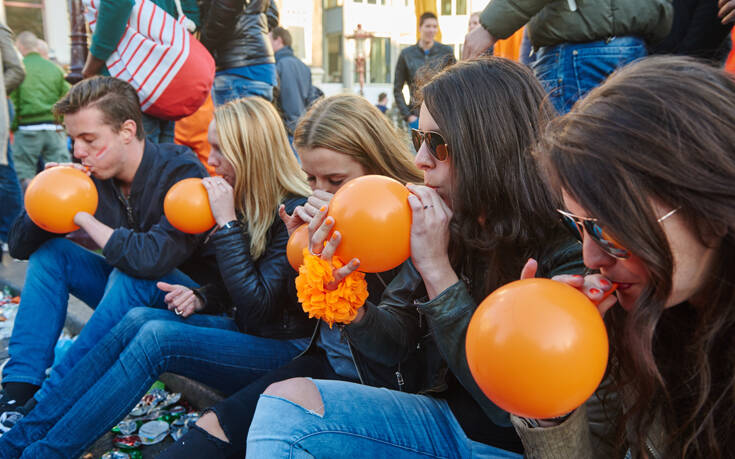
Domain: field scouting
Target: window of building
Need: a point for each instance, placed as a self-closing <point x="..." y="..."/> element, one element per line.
<point x="461" y="7"/>
<point x="298" y="41"/>
<point x="380" y="60"/>
<point x="332" y="3"/>
<point x="446" y="7"/>
<point x="372" y="2"/>
<point x="334" y="58"/>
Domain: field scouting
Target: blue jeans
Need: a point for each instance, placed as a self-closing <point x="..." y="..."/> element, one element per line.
<point x="362" y="422"/>
<point x="158" y="130"/>
<point x="56" y="269"/>
<point x="569" y="71"/>
<point x="108" y="382"/>
<point x="231" y="87"/>
<point x="10" y="197"/>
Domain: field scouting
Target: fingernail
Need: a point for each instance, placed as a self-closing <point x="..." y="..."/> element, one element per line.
<point x="329" y="221"/>
<point x="604" y="282"/>
<point x="323" y="209"/>
<point x="577" y="276"/>
<point x="594" y="291"/>
<point x="334" y="236"/>
<point x="355" y="263"/>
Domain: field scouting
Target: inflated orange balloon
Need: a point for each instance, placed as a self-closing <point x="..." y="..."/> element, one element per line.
<point x="298" y="241"/>
<point x="55" y="196"/>
<point x="373" y="216"/>
<point x="537" y="348"/>
<point x="186" y="207"/>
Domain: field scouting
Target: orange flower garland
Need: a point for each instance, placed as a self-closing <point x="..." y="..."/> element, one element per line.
<point x="338" y="305"/>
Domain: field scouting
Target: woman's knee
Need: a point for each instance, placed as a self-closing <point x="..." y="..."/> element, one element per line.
<point x="301" y="391"/>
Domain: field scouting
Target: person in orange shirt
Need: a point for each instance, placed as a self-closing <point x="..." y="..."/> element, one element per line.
<point x="192" y="132"/>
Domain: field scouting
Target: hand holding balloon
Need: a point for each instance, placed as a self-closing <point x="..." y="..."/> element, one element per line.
<point x="221" y="199"/>
<point x="430" y="238"/>
<point x="303" y="214"/>
<point x="320" y="229"/>
<point x="595" y="286"/>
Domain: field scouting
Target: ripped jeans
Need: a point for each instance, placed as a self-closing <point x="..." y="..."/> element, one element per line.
<point x="362" y="422"/>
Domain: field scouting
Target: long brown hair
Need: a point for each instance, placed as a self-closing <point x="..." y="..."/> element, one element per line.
<point x="491" y="111"/>
<point x="662" y="130"/>
<point x="351" y="125"/>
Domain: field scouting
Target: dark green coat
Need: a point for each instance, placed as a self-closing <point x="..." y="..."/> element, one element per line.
<point x="552" y="22"/>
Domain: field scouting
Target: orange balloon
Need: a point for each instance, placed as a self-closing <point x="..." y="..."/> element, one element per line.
<point x="537" y="348"/>
<point x="186" y="207"/>
<point x="298" y="241"/>
<point x="55" y="195"/>
<point x="373" y="216"/>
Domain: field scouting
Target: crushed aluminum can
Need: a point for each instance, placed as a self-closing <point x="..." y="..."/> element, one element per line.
<point x="168" y="418"/>
<point x="127" y="441"/>
<point x="188" y="419"/>
<point x="115" y="454"/>
<point x="170" y="399"/>
<point x="125" y="427"/>
<point x="178" y="432"/>
<point x="153" y="432"/>
<point x="177" y="411"/>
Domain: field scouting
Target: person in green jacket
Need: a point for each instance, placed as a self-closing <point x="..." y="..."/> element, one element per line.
<point x="37" y="135"/>
<point x="112" y="17"/>
<point x="576" y="43"/>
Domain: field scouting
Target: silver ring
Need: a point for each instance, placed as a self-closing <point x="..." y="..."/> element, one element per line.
<point x="177" y="312"/>
<point x="426" y="207"/>
<point x="315" y="254"/>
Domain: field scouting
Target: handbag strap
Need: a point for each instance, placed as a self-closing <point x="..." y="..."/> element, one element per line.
<point x="188" y="23"/>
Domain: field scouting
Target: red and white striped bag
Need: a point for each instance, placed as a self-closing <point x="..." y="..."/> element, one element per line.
<point x="171" y="71"/>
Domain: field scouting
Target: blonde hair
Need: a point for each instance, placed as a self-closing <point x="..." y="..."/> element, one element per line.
<point x="253" y="140"/>
<point x="351" y="125"/>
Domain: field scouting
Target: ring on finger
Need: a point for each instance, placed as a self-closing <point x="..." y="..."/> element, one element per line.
<point x="178" y="313"/>
<point x="429" y="205"/>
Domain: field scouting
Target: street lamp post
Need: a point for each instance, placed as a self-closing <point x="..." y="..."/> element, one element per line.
<point x="360" y="36"/>
<point x="78" y="41"/>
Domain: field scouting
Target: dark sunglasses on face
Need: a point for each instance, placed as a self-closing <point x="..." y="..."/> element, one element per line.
<point x="437" y="146"/>
<point x="578" y="225"/>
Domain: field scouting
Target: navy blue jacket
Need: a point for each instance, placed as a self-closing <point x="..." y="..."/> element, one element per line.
<point x="294" y="84"/>
<point x="143" y="243"/>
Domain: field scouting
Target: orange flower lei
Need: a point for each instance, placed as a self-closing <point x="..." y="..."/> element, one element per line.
<point x="338" y="305"/>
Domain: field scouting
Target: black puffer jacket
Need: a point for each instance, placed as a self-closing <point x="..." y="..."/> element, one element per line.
<point x="262" y="291"/>
<point x="236" y="31"/>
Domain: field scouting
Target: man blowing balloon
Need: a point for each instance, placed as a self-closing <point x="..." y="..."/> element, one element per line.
<point x="138" y="245"/>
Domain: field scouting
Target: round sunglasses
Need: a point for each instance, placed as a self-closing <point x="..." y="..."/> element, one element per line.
<point x="578" y="225"/>
<point x="437" y="146"/>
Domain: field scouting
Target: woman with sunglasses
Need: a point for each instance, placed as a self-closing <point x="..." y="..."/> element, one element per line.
<point x="646" y="167"/>
<point x="481" y="213"/>
<point x="340" y="138"/>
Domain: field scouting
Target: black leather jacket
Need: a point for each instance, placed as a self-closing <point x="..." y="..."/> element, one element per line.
<point x="413" y="62"/>
<point x="426" y="338"/>
<point x="262" y="292"/>
<point x="236" y="31"/>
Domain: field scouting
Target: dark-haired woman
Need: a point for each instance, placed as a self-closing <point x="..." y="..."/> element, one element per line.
<point x="646" y="166"/>
<point x="482" y="212"/>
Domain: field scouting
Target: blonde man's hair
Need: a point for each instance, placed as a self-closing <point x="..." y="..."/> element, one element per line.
<point x="351" y="125"/>
<point x="252" y="138"/>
